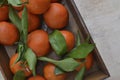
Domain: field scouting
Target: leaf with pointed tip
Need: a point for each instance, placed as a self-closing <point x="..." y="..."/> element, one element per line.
<point x="58" y="42"/>
<point x="68" y="64"/>
<point x="81" y="51"/>
<point x="19" y="75"/>
<point x="31" y="59"/>
<point x="13" y="16"/>
<point x="80" y="74"/>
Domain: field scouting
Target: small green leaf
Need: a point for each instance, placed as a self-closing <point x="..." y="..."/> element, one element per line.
<point x="80" y="74"/>
<point x="2" y="2"/>
<point x="58" y="71"/>
<point x="20" y="51"/>
<point x="19" y="76"/>
<point x="78" y="39"/>
<point x="14" y="18"/>
<point x="24" y="26"/>
<point x="58" y="42"/>
<point x="15" y="2"/>
<point x="68" y="64"/>
<point x="31" y="59"/>
<point x="81" y="51"/>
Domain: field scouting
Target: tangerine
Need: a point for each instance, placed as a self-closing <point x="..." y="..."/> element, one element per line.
<point x="56" y="17"/>
<point x="70" y="39"/>
<point x="38" y="6"/>
<point x="49" y="73"/>
<point x="9" y="34"/>
<point x="88" y="62"/>
<point x="4" y="13"/>
<point x="18" y="66"/>
<point x="38" y="41"/>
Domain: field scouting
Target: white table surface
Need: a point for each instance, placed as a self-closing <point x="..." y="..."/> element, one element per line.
<point x="102" y="18"/>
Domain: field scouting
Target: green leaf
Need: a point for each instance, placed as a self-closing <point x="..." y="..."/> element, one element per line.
<point x="81" y="51"/>
<point x="14" y="17"/>
<point x="15" y="2"/>
<point x="68" y="64"/>
<point x="78" y="39"/>
<point x="19" y="75"/>
<point x="20" y="51"/>
<point x="2" y="2"/>
<point x="58" y="71"/>
<point x="58" y="42"/>
<point x="31" y="59"/>
<point x="80" y="74"/>
<point x="22" y="46"/>
<point x="24" y="26"/>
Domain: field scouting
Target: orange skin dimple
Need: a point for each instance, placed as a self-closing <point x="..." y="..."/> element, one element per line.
<point x="37" y="77"/>
<point x="88" y="63"/>
<point x="18" y="66"/>
<point x="38" y="41"/>
<point x="4" y="13"/>
<point x="33" y="21"/>
<point x="50" y="75"/>
<point x="38" y="6"/>
<point x="70" y="39"/>
<point x="57" y="16"/>
<point x="9" y="34"/>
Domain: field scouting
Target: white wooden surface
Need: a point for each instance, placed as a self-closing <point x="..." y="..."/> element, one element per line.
<point x="102" y="18"/>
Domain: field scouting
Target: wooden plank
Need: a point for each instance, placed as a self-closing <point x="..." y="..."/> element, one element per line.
<point x="4" y="63"/>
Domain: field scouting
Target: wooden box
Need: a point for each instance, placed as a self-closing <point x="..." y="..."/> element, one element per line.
<point x="99" y="70"/>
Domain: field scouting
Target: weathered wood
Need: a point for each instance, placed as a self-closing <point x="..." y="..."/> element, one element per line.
<point x="4" y="63"/>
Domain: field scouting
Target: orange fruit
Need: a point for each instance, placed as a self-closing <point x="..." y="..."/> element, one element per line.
<point x="38" y="6"/>
<point x="54" y="1"/>
<point x="8" y="33"/>
<point x="18" y="66"/>
<point x="33" y="21"/>
<point x="57" y="16"/>
<point x="70" y="39"/>
<point x="37" y="77"/>
<point x="49" y="74"/>
<point x="88" y="63"/>
<point x="38" y="41"/>
<point x="4" y="13"/>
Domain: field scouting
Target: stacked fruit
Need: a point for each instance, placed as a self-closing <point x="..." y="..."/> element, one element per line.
<point x="20" y="24"/>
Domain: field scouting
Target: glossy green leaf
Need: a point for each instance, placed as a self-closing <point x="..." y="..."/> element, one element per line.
<point x="81" y="51"/>
<point x="19" y="76"/>
<point x="24" y="26"/>
<point x="15" y="2"/>
<point x="31" y="59"/>
<point x="68" y="64"/>
<point x="58" y="71"/>
<point x="78" y="39"/>
<point x="80" y="74"/>
<point x="58" y="42"/>
<point x="20" y="51"/>
<point x="13" y="16"/>
<point x="22" y="45"/>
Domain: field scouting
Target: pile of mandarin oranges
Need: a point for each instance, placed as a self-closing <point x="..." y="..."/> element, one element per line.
<point x="55" y="15"/>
